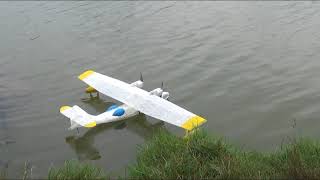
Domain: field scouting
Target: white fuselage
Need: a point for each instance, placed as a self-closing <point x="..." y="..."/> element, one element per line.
<point x="107" y="116"/>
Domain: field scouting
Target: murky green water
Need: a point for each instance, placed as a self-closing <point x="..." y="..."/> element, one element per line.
<point x="250" y="68"/>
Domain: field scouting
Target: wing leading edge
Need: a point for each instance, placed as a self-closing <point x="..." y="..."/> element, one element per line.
<point x="142" y="101"/>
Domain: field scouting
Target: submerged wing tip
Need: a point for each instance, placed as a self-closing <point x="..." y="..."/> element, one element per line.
<point x="63" y="108"/>
<point x="85" y="74"/>
<point x="193" y="122"/>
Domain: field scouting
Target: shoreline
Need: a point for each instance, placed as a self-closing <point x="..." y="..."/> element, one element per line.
<point x="202" y="156"/>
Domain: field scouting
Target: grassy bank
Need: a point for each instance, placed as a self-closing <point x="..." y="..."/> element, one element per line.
<point x="75" y="170"/>
<point x="201" y="156"/>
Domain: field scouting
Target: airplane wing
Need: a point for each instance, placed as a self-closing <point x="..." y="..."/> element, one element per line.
<point x="142" y="101"/>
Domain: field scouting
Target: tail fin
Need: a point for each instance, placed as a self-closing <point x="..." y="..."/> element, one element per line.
<point x="78" y="116"/>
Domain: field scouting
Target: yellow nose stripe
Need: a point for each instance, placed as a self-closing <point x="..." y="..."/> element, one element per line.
<point x="193" y="122"/>
<point x="85" y="74"/>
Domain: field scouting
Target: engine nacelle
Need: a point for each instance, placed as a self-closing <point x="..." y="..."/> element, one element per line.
<point x="156" y="92"/>
<point x="138" y="84"/>
<point x="165" y="95"/>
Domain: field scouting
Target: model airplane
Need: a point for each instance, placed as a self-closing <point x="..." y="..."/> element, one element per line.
<point x="135" y="99"/>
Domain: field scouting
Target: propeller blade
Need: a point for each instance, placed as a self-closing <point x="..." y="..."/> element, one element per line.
<point x="141" y="78"/>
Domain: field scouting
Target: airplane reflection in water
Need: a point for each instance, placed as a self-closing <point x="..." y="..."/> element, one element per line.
<point x="84" y="145"/>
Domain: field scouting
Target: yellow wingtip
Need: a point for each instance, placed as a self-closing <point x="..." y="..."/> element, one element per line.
<point x="85" y="74"/>
<point x="63" y="108"/>
<point x="193" y="122"/>
<point x="90" y="125"/>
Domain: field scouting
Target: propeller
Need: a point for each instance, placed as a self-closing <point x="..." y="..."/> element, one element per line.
<point x="164" y="94"/>
<point x="141" y="78"/>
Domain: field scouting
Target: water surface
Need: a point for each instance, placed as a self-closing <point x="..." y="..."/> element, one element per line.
<point x="250" y="68"/>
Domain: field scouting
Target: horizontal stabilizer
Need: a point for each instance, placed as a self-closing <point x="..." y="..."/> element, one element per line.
<point x="78" y="116"/>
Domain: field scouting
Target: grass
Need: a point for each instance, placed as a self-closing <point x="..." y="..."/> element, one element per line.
<point x="201" y="156"/>
<point x="75" y="170"/>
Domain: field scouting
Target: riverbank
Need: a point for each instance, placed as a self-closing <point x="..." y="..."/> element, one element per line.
<point x="201" y="156"/>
